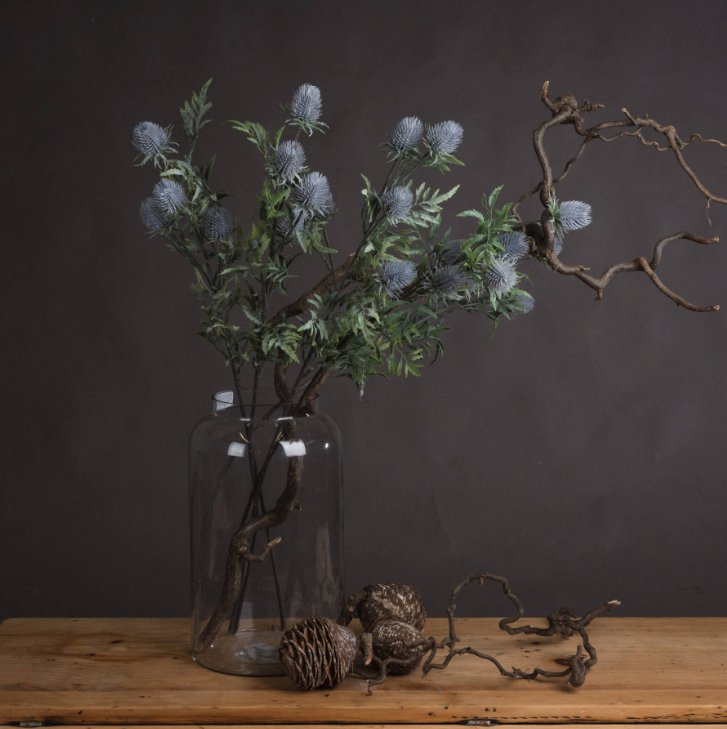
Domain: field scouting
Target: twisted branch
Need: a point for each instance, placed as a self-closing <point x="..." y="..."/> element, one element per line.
<point x="326" y="284"/>
<point x="566" y="110"/>
<point x="241" y="543"/>
<point x="563" y="622"/>
<point x="598" y="284"/>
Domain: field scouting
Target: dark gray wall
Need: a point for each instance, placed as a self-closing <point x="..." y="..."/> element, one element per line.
<point x="581" y="452"/>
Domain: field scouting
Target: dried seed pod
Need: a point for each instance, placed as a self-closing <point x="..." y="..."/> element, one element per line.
<point x="317" y="653"/>
<point x="386" y="600"/>
<point x="395" y="639"/>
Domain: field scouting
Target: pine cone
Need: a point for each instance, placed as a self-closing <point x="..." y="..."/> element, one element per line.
<point x="387" y="600"/>
<point x="396" y="639"/>
<point x="318" y="653"/>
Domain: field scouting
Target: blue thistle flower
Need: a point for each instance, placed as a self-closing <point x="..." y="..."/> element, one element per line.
<point x="169" y="195"/>
<point x="397" y="203"/>
<point x="306" y="105"/>
<point x="515" y="244"/>
<point x="407" y="133"/>
<point x="397" y="275"/>
<point x="444" y="137"/>
<point x="452" y="254"/>
<point x="289" y="158"/>
<point x="218" y="223"/>
<point x="152" y="217"/>
<point x="314" y="193"/>
<point x="327" y="208"/>
<point x="501" y="275"/>
<point x="573" y="215"/>
<point x="522" y="302"/>
<point x="284" y="225"/>
<point x="150" y="139"/>
<point x="447" y="279"/>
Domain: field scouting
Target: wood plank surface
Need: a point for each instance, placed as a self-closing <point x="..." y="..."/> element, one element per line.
<point x="138" y="671"/>
<point x="363" y="726"/>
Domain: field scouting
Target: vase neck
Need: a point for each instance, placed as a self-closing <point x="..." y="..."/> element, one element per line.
<point x="266" y="406"/>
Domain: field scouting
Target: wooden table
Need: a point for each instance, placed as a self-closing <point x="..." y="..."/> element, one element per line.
<point x="139" y="672"/>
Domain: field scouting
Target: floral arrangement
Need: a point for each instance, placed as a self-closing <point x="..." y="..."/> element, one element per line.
<point x="382" y="309"/>
<point x="380" y="312"/>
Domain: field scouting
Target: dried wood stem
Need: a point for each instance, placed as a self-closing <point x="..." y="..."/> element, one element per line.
<point x="563" y="622"/>
<point x="241" y="544"/>
<point x="598" y="284"/>
<point x="565" y="110"/>
<point x="326" y="284"/>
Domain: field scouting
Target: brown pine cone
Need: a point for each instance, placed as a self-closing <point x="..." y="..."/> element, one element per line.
<point x="399" y="640"/>
<point x="386" y="600"/>
<point x="318" y="653"/>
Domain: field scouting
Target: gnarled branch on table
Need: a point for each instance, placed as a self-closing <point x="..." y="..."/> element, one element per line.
<point x="563" y="622"/>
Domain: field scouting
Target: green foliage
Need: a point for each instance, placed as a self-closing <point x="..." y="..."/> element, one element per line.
<point x="350" y="325"/>
<point x="193" y="113"/>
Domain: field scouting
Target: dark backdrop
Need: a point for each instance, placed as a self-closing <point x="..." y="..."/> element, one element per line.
<point x="581" y="452"/>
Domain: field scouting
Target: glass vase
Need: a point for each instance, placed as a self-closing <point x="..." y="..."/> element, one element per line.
<point x="267" y="531"/>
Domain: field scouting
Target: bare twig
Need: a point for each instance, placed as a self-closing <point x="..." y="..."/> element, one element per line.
<point x="565" y="110"/>
<point x="563" y="622"/>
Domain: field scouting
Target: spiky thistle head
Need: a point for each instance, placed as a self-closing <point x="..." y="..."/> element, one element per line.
<point x="397" y="203"/>
<point x="306" y="105"/>
<point x="288" y="226"/>
<point x="218" y="222"/>
<point x="444" y="137"/>
<point x="447" y="279"/>
<point x="150" y="139"/>
<point x="407" y="133"/>
<point x="452" y="254"/>
<point x="284" y="226"/>
<point x="152" y="217"/>
<point x="314" y="193"/>
<point x="522" y="302"/>
<point x="515" y="244"/>
<point x="572" y="215"/>
<point x="169" y="195"/>
<point x="501" y="275"/>
<point x="397" y="275"/>
<point x="289" y="158"/>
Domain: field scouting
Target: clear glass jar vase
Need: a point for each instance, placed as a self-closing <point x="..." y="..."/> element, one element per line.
<point x="267" y="531"/>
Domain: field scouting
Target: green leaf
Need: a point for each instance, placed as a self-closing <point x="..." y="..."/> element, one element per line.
<point x="472" y="214"/>
<point x="193" y="112"/>
<point x="255" y="133"/>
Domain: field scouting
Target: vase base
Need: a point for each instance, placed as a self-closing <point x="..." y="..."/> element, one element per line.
<point x="245" y="653"/>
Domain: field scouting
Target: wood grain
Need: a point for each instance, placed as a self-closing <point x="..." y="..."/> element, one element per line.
<point x="138" y="671"/>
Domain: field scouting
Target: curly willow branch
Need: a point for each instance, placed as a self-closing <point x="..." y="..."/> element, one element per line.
<point x="563" y="622"/>
<point x="565" y="110"/>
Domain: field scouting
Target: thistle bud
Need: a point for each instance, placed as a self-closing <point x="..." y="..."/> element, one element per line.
<point x="501" y="275"/>
<point x="397" y="203"/>
<point x="573" y="215"/>
<point x="306" y="105"/>
<point x="289" y="158"/>
<point x="152" y="217"/>
<point x="314" y="192"/>
<point x="407" y="133"/>
<point x="397" y="275"/>
<point x="150" y="139"/>
<point x="169" y="195"/>
<point x="516" y="245"/>
<point x="444" y="137"/>
<point x="218" y="222"/>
